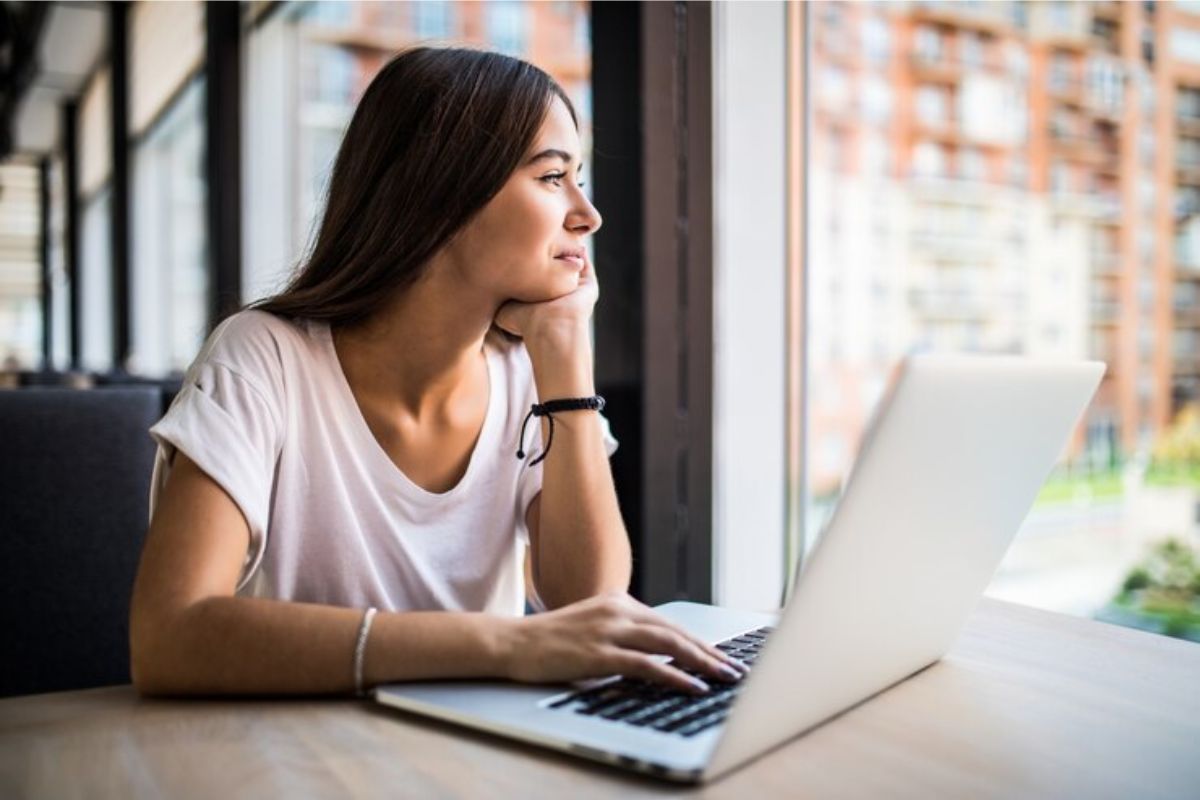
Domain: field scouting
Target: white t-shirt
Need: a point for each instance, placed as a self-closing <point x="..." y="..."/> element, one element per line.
<point x="266" y="411"/>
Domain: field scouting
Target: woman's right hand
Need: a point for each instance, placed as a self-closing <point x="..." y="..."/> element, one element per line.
<point x="608" y="635"/>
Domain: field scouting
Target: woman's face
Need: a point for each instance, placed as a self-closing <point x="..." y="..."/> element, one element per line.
<point x="519" y="246"/>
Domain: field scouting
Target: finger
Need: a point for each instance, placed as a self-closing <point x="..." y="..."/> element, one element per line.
<point x="646" y="615"/>
<point x="664" y="641"/>
<point x="647" y="668"/>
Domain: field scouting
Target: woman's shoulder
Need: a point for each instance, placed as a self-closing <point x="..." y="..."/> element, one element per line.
<point x="255" y="342"/>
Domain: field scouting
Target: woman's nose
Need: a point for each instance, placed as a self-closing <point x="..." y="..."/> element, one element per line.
<point x="585" y="219"/>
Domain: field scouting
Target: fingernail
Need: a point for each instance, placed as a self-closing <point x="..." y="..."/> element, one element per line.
<point x="730" y="673"/>
<point x="699" y="684"/>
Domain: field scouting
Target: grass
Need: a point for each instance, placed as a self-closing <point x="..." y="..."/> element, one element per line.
<point x="1096" y="486"/>
<point x="1174" y="475"/>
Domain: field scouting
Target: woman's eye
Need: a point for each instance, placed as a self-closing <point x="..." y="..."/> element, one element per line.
<point x="556" y="179"/>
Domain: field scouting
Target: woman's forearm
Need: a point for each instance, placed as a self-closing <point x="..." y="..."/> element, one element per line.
<point x="237" y="645"/>
<point x="583" y="548"/>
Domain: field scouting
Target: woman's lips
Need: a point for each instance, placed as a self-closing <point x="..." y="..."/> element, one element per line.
<point x="577" y="261"/>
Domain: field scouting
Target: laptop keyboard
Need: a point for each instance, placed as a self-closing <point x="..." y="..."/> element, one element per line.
<point x="649" y="705"/>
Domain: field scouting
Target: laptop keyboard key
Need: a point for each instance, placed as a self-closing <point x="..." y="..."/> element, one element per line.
<point x="643" y="704"/>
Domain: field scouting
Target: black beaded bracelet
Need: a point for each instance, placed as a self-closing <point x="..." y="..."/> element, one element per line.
<point x="548" y="409"/>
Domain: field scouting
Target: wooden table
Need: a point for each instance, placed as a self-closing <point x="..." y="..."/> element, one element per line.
<point x="1027" y="704"/>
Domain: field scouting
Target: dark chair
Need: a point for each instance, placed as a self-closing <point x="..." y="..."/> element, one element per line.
<point x="74" y="483"/>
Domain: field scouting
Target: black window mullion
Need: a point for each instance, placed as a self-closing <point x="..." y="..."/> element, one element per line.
<point x="44" y="258"/>
<point x="223" y="157"/>
<point x="71" y="231"/>
<point x="119" y="64"/>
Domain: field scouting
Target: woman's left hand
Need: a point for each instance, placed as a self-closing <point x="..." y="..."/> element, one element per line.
<point x="531" y="321"/>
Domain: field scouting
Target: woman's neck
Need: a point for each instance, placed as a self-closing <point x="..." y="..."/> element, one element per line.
<point x="422" y="355"/>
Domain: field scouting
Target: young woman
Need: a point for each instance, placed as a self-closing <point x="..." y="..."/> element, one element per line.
<point x="350" y="445"/>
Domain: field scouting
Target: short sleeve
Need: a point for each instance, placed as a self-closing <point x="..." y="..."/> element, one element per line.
<point x="529" y="482"/>
<point x="232" y="429"/>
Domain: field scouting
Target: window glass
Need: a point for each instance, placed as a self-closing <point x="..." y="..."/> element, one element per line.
<point x="95" y="283"/>
<point x="20" y="270"/>
<point x="1038" y="239"/>
<point x="171" y="250"/>
<point x="60" y="284"/>
<point x="434" y="19"/>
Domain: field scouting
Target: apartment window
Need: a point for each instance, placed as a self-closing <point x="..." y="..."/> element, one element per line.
<point x="973" y="164"/>
<point x="932" y="105"/>
<point x="876" y="156"/>
<point x="929" y="160"/>
<point x="877" y="98"/>
<point x="329" y="77"/>
<point x="1060" y="177"/>
<point x="877" y="39"/>
<point x="1185" y="45"/>
<point x="1060" y="16"/>
<point x="928" y="44"/>
<point x="972" y="50"/>
<point x="1187" y="153"/>
<point x="434" y="19"/>
<point x="1187" y="104"/>
<point x="507" y="25"/>
<point x="834" y="89"/>
<point x="1062" y="72"/>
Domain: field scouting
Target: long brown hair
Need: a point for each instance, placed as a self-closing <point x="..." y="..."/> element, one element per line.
<point x="434" y="138"/>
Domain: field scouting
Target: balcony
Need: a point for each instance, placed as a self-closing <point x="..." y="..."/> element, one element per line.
<point x="1186" y="363"/>
<point x="1105" y="312"/>
<point x="936" y="68"/>
<point x="1105" y="263"/>
<point x="1187" y="124"/>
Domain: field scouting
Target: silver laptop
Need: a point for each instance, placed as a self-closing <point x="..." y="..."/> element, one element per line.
<point x="950" y="466"/>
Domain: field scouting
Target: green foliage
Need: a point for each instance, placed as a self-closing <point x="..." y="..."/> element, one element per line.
<point x="1176" y="459"/>
<point x="1162" y="592"/>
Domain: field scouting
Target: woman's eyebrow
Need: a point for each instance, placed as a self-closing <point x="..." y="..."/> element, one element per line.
<point x="552" y="153"/>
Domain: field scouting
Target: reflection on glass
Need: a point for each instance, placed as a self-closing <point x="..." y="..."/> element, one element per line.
<point x="1021" y="208"/>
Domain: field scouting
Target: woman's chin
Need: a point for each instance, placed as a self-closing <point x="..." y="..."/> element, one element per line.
<point x="551" y="290"/>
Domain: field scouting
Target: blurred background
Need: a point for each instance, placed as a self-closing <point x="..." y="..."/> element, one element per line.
<point x="1005" y="177"/>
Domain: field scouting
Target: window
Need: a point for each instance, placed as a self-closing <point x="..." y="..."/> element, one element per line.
<point x="170" y="252"/>
<point x="877" y="39"/>
<point x="434" y="19"/>
<point x="1185" y="45"/>
<point x="1187" y="105"/>
<point x="932" y="105"/>
<point x="877" y="99"/>
<point x="1038" y="266"/>
<point x="928" y="44"/>
<point x="20" y="288"/>
<point x="973" y="164"/>
<point x="1062" y="72"/>
<point x="95" y="283"/>
<point x="929" y="160"/>
<point x="507" y="26"/>
<point x="972" y="50"/>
